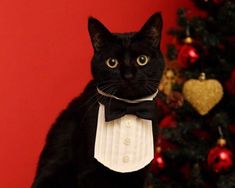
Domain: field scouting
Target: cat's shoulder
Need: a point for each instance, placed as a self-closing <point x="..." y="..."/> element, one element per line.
<point x="81" y="102"/>
<point x="74" y="111"/>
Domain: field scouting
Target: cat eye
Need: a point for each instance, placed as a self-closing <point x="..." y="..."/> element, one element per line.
<point x="142" y="60"/>
<point x="111" y="63"/>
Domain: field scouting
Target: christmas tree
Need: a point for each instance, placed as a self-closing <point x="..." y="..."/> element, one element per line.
<point x="196" y="142"/>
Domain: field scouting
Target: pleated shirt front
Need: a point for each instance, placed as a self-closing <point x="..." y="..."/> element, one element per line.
<point x="125" y="144"/>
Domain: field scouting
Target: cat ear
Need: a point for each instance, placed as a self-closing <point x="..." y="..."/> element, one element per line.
<point x="152" y="29"/>
<point x="99" y="34"/>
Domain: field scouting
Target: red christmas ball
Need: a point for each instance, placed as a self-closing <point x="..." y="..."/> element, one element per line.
<point x="220" y="159"/>
<point x="158" y="163"/>
<point x="187" y="55"/>
<point x="168" y="121"/>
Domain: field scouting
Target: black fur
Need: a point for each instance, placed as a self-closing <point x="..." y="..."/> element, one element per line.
<point x="67" y="160"/>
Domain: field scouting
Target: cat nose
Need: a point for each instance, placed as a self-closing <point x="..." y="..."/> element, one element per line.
<point x="128" y="75"/>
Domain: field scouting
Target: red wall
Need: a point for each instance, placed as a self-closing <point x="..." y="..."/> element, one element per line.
<point x="44" y="62"/>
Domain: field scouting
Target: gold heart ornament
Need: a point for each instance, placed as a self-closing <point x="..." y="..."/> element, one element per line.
<point x="203" y="94"/>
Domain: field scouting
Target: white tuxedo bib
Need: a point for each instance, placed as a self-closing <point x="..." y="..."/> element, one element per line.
<point x="125" y="144"/>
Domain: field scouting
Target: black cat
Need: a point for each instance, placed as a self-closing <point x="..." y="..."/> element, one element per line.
<point x="127" y="66"/>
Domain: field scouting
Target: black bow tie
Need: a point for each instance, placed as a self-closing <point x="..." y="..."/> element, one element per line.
<point x="115" y="109"/>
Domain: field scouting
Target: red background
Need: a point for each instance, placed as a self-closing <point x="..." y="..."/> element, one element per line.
<point x="45" y="54"/>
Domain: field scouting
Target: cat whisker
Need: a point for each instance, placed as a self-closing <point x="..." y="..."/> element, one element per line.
<point x="108" y="82"/>
<point x="94" y="97"/>
<point x="148" y="90"/>
<point x="107" y="87"/>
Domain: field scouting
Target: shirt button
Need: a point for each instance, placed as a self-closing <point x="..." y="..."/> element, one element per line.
<point x="128" y="124"/>
<point x="125" y="159"/>
<point x="127" y="141"/>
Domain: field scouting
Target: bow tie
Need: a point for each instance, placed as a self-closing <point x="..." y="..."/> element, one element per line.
<point x="115" y="109"/>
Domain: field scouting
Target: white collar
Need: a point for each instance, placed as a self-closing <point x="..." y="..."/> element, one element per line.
<point x="147" y="98"/>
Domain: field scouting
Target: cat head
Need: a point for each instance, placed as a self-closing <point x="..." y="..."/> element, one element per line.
<point x="127" y="65"/>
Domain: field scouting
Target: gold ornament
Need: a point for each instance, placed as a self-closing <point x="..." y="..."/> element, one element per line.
<point x="168" y="79"/>
<point x="203" y="94"/>
<point x="221" y="142"/>
<point x="188" y="40"/>
<point x="158" y="149"/>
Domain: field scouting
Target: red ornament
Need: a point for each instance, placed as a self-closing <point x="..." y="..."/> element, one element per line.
<point x="188" y="55"/>
<point x="220" y="159"/>
<point x="168" y="121"/>
<point x="158" y="162"/>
